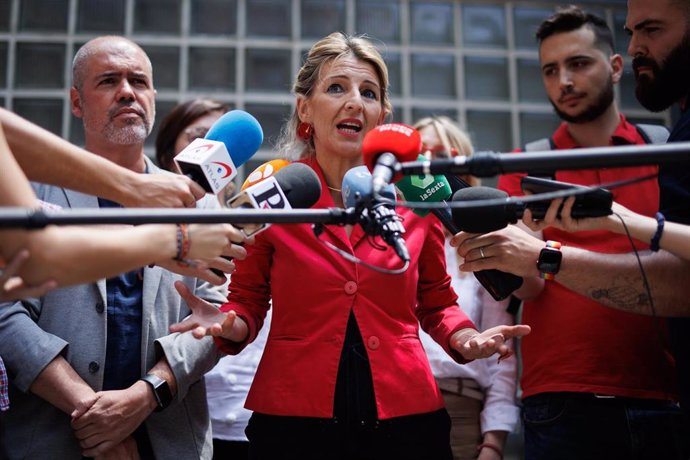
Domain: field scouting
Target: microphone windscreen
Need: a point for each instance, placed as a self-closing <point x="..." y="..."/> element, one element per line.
<point x="481" y="219"/>
<point x="241" y="134"/>
<point x="425" y="188"/>
<point x="403" y="141"/>
<point x="357" y="185"/>
<point x="300" y="184"/>
<point x="263" y="171"/>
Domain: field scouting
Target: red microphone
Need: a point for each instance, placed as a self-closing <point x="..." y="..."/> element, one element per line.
<point x="385" y="147"/>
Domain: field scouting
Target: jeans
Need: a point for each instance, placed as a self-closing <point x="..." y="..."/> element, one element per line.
<point x="582" y="426"/>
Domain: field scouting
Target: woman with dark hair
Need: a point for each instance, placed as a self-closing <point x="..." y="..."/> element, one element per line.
<point x="184" y="123"/>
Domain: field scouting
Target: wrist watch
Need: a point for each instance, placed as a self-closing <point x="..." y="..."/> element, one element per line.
<point x="549" y="261"/>
<point x="161" y="390"/>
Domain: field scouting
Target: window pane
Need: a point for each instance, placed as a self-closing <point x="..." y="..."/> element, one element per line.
<point x="526" y="21"/>
<point x="535" y="126"/>
<point x="530" y="86"/>
<point x="43" y="15"/>
<point x="626" y="89"/>
<point x="76" y="131"/>
<point x="268" y="70"/>
<point x="490" y="130"/>
<point x="32" y="61"/>
<point x="392" y="61"/>
<point x="379" y="19"/>
<point x="320" y="18"/>
<point x="3" y="64"/>
<point x="484" y="26"/>
<point x="433" y="75"/>
<point x="46" y="113"/>
<point x="5" y="8"/>
<point x="101" y="16"/>
<point x="486" y="79"/>
<point x="269" y="18"/>
<point x="271" y="118"/>
<point x="422" y="112"/>
<point x="162" y="109"/>
<point x="165" y="61"/>
<point x="212" y="69"/>
<point x="432" y="23"/>
<point x="157" y="16"/>
<point x="214" y="17"/>
<point x="621" y="39"/>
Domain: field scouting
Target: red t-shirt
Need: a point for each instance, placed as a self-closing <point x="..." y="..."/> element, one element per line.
<point x="577" y="344"/>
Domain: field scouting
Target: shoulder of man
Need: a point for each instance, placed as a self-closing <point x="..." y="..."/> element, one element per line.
<point x="653" y="134"/>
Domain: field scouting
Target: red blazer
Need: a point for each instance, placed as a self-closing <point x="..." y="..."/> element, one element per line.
<point x="313" y="290"/>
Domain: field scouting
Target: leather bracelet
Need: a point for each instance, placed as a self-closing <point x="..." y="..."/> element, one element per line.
<point x="654" y="244"/>
<point x="490" y="446"/>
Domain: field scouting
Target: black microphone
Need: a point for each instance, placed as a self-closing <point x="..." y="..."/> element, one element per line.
<point x="376" y="216"/>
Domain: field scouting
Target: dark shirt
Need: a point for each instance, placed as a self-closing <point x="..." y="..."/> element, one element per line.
<point x="123" y="352"/>
<point x="674" y="182"/>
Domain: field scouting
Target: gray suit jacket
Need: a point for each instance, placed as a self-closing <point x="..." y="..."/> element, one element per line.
<point x="72" y="322"/>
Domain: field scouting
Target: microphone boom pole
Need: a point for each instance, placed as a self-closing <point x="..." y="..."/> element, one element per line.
<point x="36" y="218"/>
<point x="489" y="164"/>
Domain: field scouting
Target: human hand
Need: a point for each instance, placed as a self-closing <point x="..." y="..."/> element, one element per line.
<point x="489" y="454"/>
<point x="568" y="223"/>
<point x="206" y="319"/>
<point x="202" y="269"/>
<point x="472" y="344"/>
<point x="12" y="287"/>
<point x="126" y="450"/>
<point x="113" y="417"/>
<point x="161" y="191"/>
<point x="510" y="250"/>
<point x="209" y="241"/>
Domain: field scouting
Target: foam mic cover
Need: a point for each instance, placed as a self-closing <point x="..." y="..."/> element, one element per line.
<point x="403" y="141"/>
<point x="300" y="184"/>
<point x="240" y="132"/>
<point x="357" y="186"/>
<point x="425" y="188"/>
<point x="263" y="171"/>
<point x="483" y="219"/>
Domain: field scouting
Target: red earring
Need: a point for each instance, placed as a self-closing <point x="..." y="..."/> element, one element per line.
<point x="305" y="131"/>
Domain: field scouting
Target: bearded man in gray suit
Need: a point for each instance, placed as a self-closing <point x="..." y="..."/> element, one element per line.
<point x="93" y="368"/>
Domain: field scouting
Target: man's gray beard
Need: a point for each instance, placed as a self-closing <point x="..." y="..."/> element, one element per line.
<point x="130" y="134"/>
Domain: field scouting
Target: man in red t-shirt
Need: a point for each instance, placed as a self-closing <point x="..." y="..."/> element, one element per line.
<point x="597" y="383"/>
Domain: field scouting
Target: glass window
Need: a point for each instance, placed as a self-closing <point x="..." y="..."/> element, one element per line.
<point x="422" y="112"/>
<point x="535" y="126"/>
<point x="626" y="90"/>
<point x="486" y="78"/>
<point x="42" y="15"/>
<point x="379" y="19"/>
<point x="530" y="86"/>
<point x="392" y="61"/>
<point x="157" y="16"/>
<point x="433" y="75"/>
<point x="621" y="39"/>
<point x="490" y="130"/>
<point x="268" y="70"/>
<point x="46" y="113"/>
<point x="165" y="61"/>
<point x="526" y="22"/>
<point x="432" y="23"/>
<point x="162" y="109"/>
<point x="214" y="17"/>
<point x="320" y="18"/>
<point x="271" y="117"/>
<point x="484" y="26"/>
<point x="32" y="61"/>
<point x="5" y="9"/>
<point x="212" y="69"/>
<point x="76" y="131"/>
<point x="269" y="18"/>
<point x="101" y="16"/>
<point x="3" y="64"/>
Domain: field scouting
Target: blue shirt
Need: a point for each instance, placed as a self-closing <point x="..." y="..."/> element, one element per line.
<point x="4" y="398"/>
<point x="123" y="351"/>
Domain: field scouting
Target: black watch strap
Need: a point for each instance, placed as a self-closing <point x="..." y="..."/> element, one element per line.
<point x="161" y="390"/>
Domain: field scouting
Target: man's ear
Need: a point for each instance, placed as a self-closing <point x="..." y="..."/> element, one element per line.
<point x="303" y="109"/>
<point x="617" y="66"/>
<point x="75" y="102"/>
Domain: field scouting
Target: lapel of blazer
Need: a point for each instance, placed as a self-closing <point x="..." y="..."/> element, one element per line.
<point x="80" y="200"/>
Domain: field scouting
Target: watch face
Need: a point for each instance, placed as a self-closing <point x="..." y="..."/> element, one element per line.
<point x="549" y="260"/>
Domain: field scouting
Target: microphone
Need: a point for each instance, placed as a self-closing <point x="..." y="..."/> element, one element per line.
<point x="385" y="147"/>
<point x="375" y="213"/>
<point x="212" y="161"/>
<point x="438" y="189"/>
<point x="293" y="186"/>
<point x="263" y="171"/>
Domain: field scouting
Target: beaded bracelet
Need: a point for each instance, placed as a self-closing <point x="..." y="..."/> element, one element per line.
<point x="660" y="220"/>
<point x="182" y="245"/>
